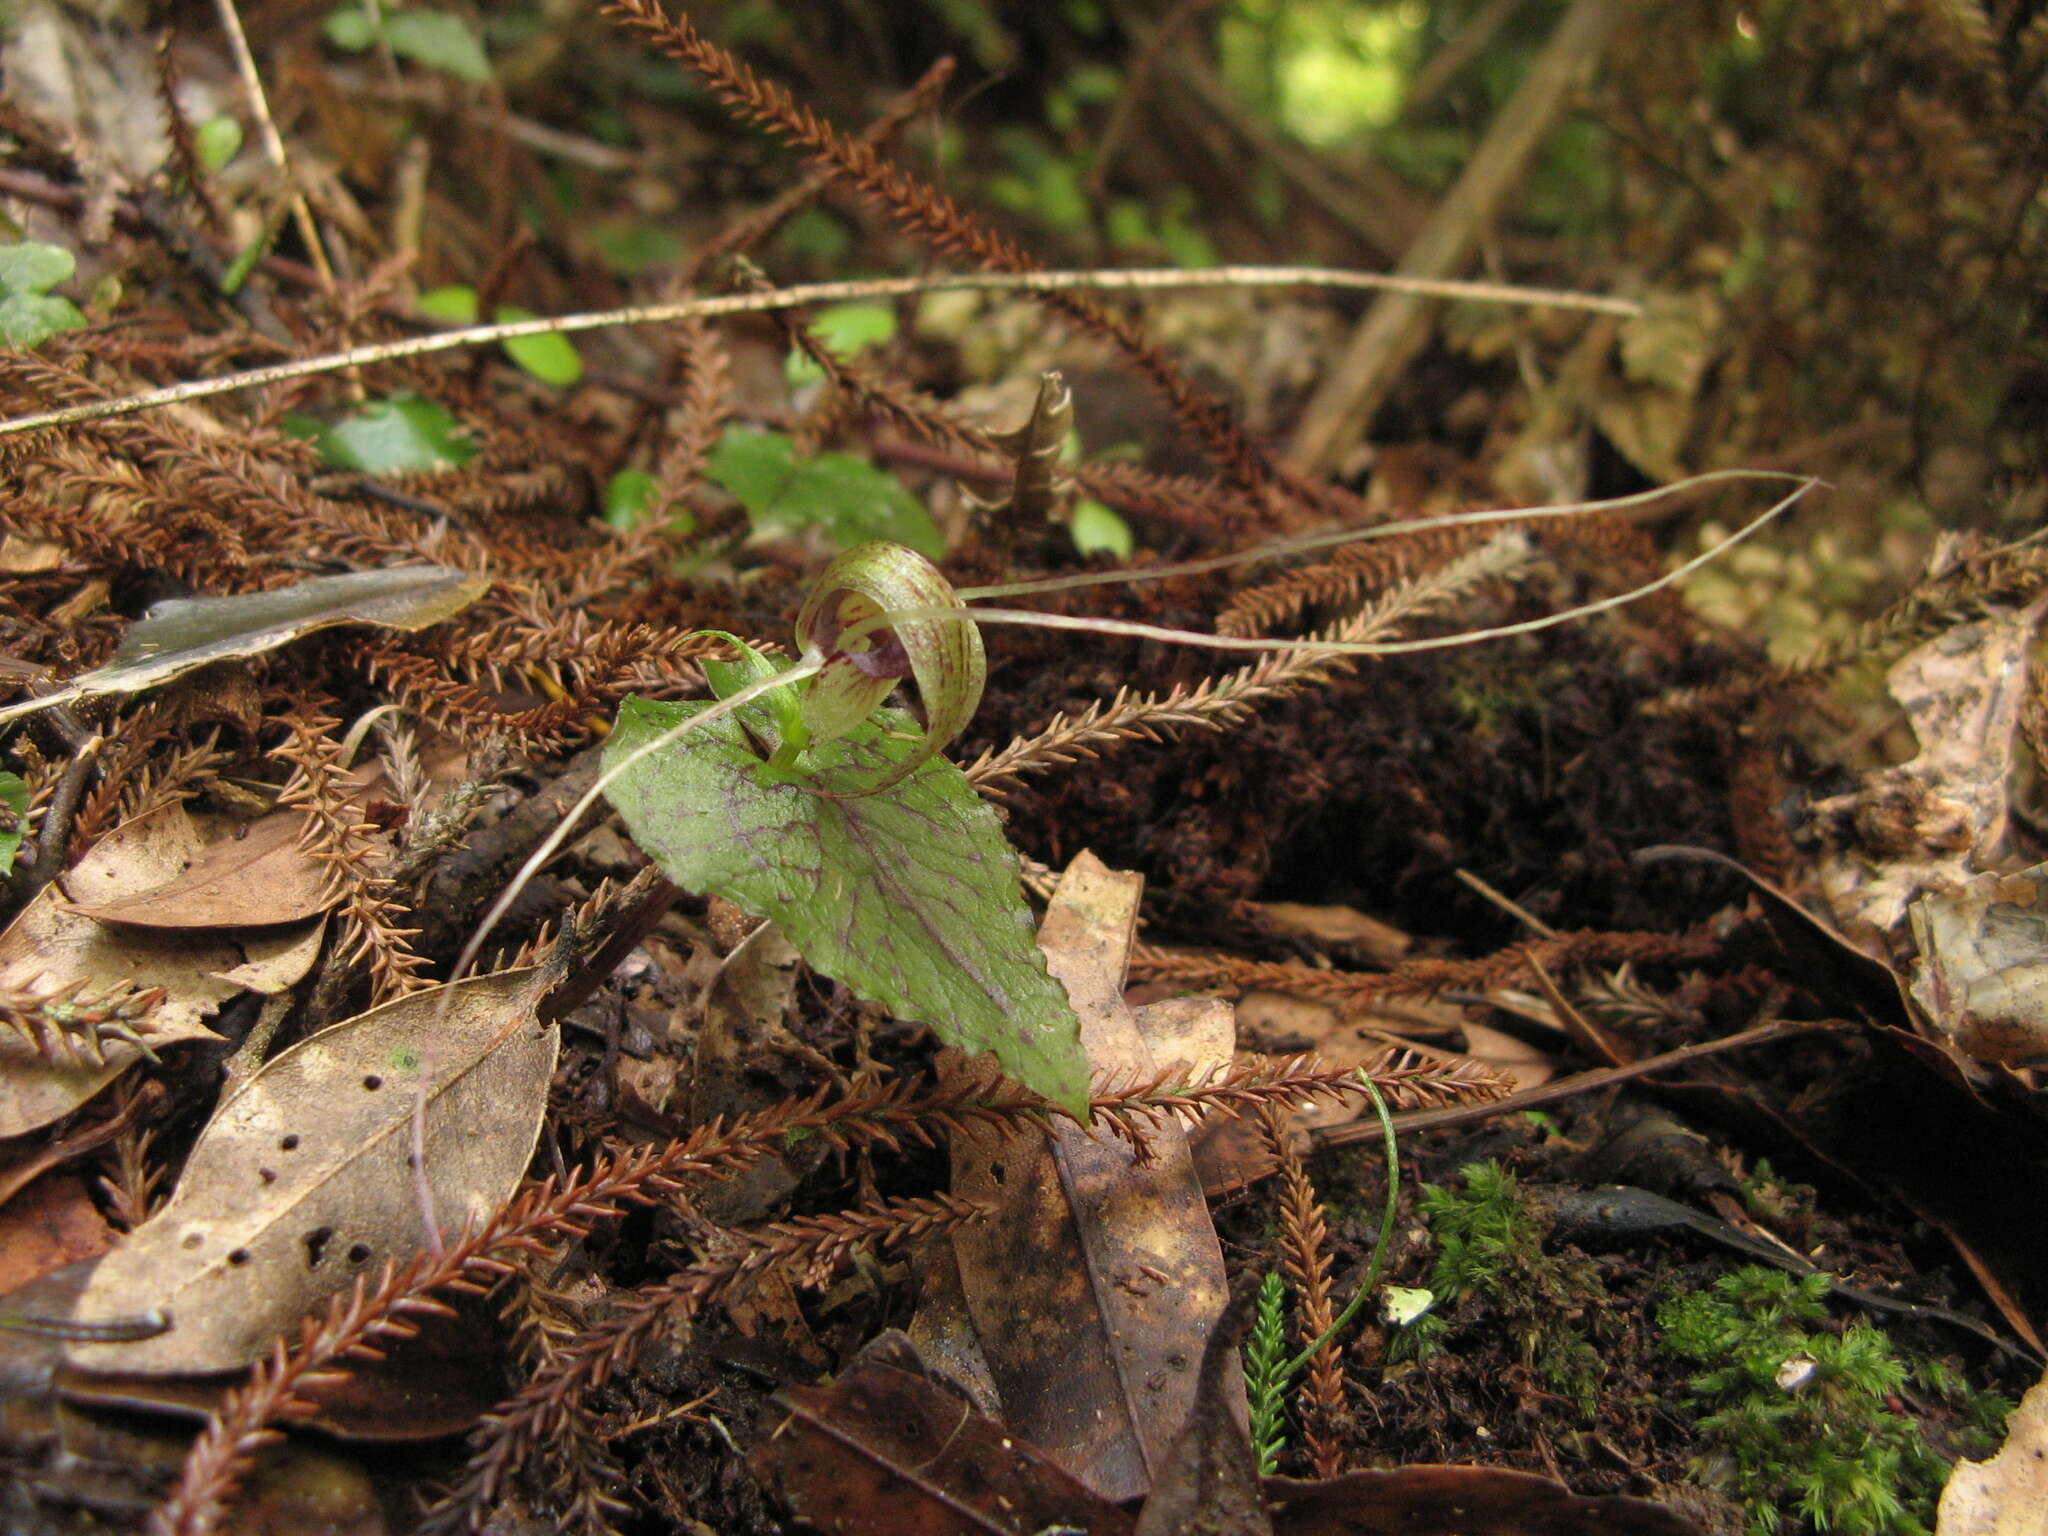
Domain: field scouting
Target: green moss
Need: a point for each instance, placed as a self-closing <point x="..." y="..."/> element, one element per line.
<point x="1795" y="1420"/>
<point x="1491" y="1266"/>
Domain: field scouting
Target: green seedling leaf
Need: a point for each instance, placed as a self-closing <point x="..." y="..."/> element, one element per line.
<point x="1098" y="531"/>
<point x="183" y="633"/>
<point x="843" y="329"/>
<point x="30" y="316"/>
<point x="847" y="497"/>
<point x="403" y="435"/>
<point x="909" y="897"/>
<point x="13" y="796"/>
<point x="452" y="305"/>
<point x="628" y="496"/>
<point x="553" y="359"/>
<point x="436" y="39"/>
<point x="633" y="247"/>
<point x="217" y="141"/>
<point x="550" y="357"/>
<point x="29" y="267"/>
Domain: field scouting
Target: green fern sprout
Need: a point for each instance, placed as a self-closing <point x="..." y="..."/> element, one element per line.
<point x="1265" y="1374"/>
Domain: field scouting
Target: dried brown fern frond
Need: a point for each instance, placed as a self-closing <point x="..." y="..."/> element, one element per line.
<point x="69" y="1028"/>
<point x="131" y="1177"/>
<point x="1305" y="1260"/>
<point x="370" y="910"/>
<point x="1203" y="508"/>
<point x="707" y="386"/>
<point x="372" y="1314"/>
<point x="1962" y="582"/>
<point x="1424" y="978"/>
<point x="1221" y="702"/>
<point x="935" y="218"/>
<point x="512" y="1436"/>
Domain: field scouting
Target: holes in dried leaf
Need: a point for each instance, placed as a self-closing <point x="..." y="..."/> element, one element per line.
<point x="239" y="1256"/>
<point x="373" y="1082"/>
<point x="289" y="1142"/>
<point x="358" y="1253"/>
<point x="316" y="1245"/>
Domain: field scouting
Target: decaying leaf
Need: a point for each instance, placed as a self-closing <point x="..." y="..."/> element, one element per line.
<point x="1942" y="817"/>
<point x="884" y="1451"/>
<point x="2007" y="1495"/>
<point x="255" y="875"/>
<point x="184" y="633"/>
<point x="302" y="1182"/>
<point x="1209" y="1480"/>
<point x="1097" y="1276"/>
<point x="1982" y="972"/>
<point x="50" y="947"/>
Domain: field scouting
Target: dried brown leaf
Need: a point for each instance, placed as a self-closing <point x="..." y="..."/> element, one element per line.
<point x="302" y="1182"/>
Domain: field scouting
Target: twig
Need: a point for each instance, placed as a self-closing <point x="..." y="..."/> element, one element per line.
<point x="1133" y="278"/>
<point x="1394" y="329"/>
<point x="273" y="141"/>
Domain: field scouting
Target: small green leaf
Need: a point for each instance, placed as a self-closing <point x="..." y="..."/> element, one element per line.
<point x="909" y="897"/>
<point x="13" y="795"/>
<point x="1098" y="531"/>
<point x="29" y="267"/>
<point x="437" y="39"/>
<point x="217" y="141"/>
<point x="634" y="246"/>
<point x="403" y="435"/>
<point x="847" y="497"/>
<point x="440" y="40"/>
<point x="350" y="28"/>
<point x="30" y="316"/>
<point x="550" y="357"/>
<point x="628" y="497"/>
<point x="815" y="235"/>
<point x="30" y="319"/>
<point x="843" y="329"/>
<point x="452" y="305"/>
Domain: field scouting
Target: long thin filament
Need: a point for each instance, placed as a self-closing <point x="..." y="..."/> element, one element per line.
<point x="1327" y="647"/>
<point x="1312" y="541"/>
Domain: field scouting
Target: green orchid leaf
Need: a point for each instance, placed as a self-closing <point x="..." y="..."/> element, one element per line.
<point x="550" y="357"/>
<point x="1096" y="530"/>
<point x="217" y="141"/>
<point x="31" y="267"/>
<point x="402" y="435"/>
<point x="849" y="498"/>
<point x="14" y="796"/>
<point x="628" y="498"/>
<point x="909" y="897"/>
<point x="29" y="316"/>
<point x="437" y="39"/>
<point x="727" y="678"/>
